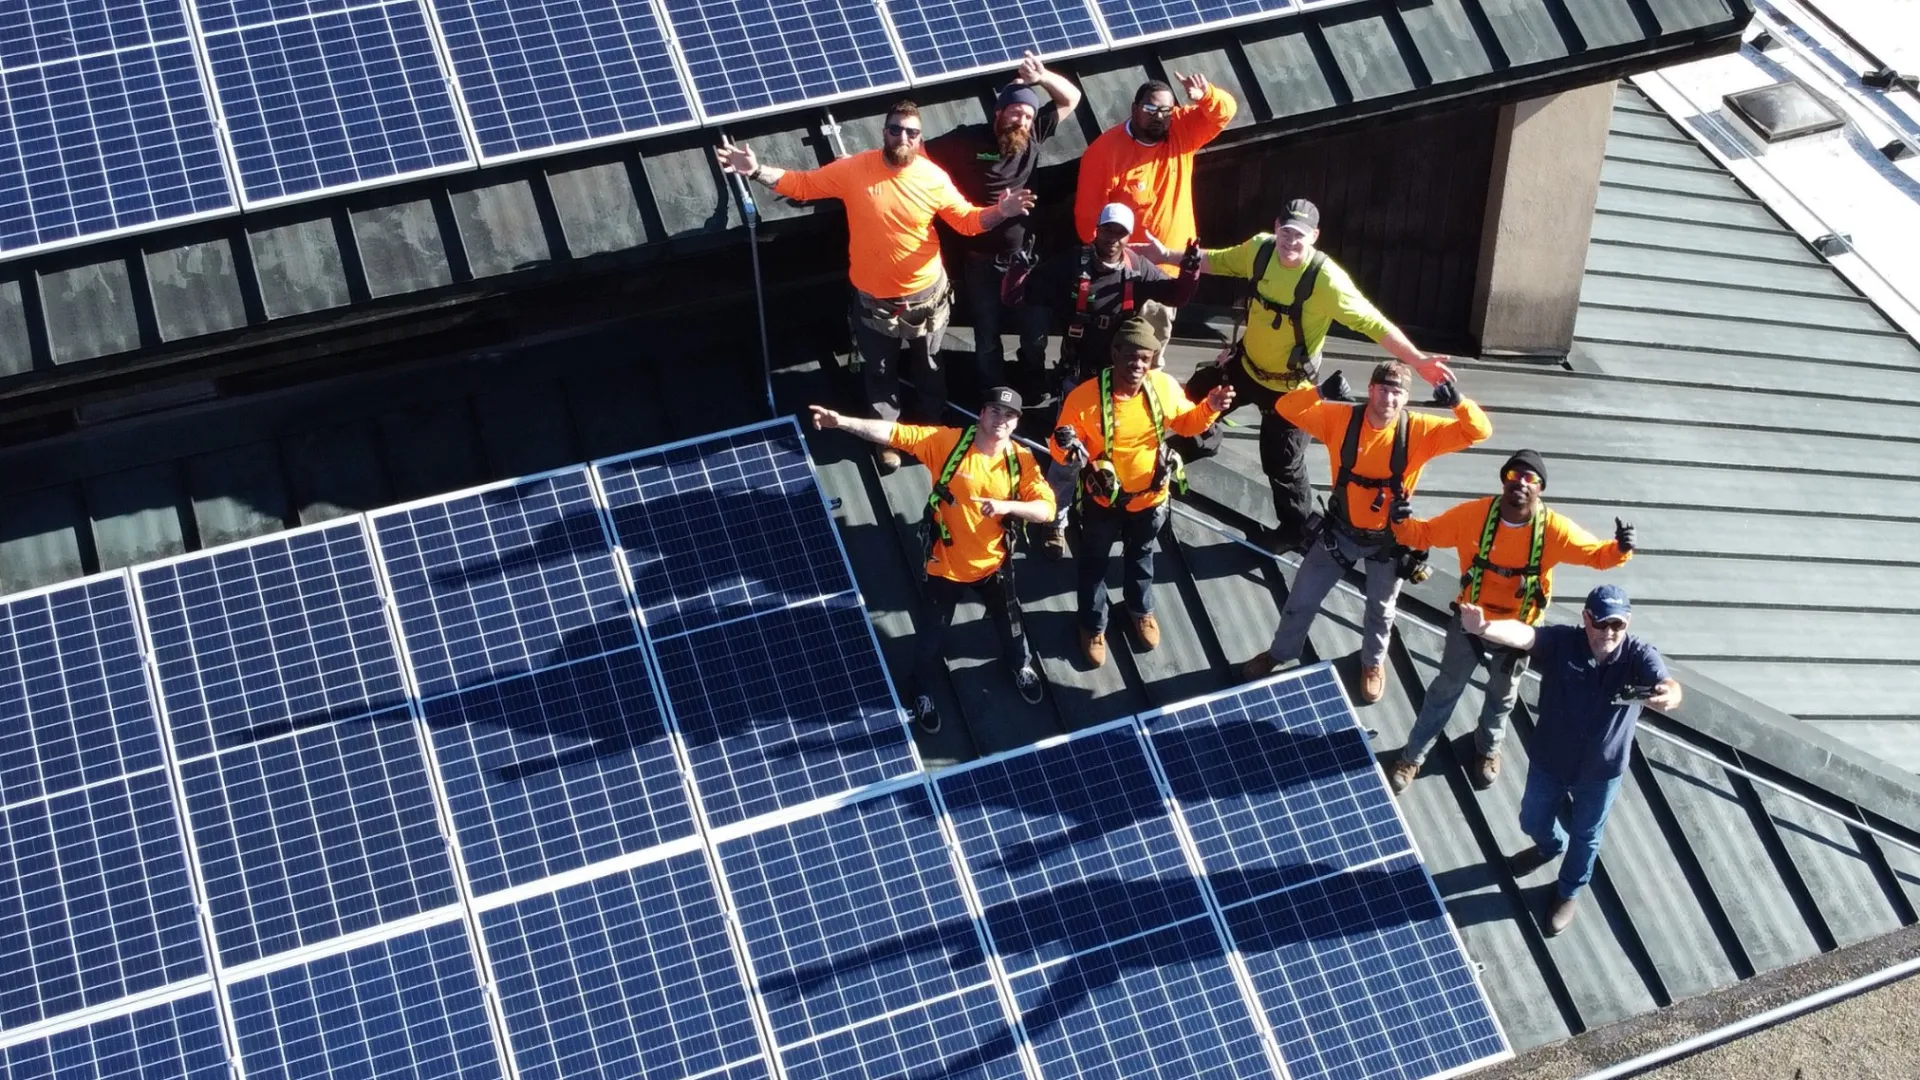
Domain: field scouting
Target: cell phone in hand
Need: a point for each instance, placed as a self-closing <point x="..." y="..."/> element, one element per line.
<point x="1628" y="695"/>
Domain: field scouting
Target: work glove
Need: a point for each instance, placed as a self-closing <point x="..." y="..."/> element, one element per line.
<point x="1623" y="535"/>
<point x="1401" y="510"/>
<point x="1447" y="394"/>
<point x="1336" y="387"/>
<point x="1190" y="260"/>
<point x="1068" y="441"/>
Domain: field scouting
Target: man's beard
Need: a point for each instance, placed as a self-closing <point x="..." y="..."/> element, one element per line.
<point x="901" y="155"/>
<point x="1153" y="130"/>
<point x="1013" y="142"/>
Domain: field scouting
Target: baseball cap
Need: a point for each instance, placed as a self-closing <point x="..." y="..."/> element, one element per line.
<point x="1006" y="397"/>
<point x="1608" y="602"/>
<point x="1392" y="371"/>
<point x="1116" y="214"/>
<point x="1300" y="216"/>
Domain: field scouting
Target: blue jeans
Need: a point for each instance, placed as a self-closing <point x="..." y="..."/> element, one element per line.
<point x="1540" y="819"/>
<point x="1138" y="532"/>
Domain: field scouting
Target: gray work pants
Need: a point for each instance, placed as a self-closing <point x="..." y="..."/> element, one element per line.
<point x="1318" y="574"/>
<point x="1463" y="654"/>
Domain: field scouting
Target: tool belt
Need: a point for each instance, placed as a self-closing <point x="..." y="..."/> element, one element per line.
<point x="1293" y="377"/>
<point x="910" y="317"/>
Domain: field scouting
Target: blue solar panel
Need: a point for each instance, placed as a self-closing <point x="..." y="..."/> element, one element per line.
<point x="557" y="770"/>
<point x="408" y="1007"/>
<point x="631" y="974"/>
<point x="44" y="31"/>
<point x="749" y="55"/>
<point x="179" y="1040"/>
<point x="949" y="37"/>
<point x="95" y="899"/>
<point x="505" y="581"/>
<point x="1133" y="20"/>
<point x="552" y="73"/>
<point x="1162" y="1005"/>
<point x="723" y="528"/>
<point x="342" y="99"/>
<point x="1360" y="976"/>
<point x="851" y="913"/>
<point x="105" y="142"/>
<point x="74" y="706"/>
<point x="254" y="640"/>
<point x="1277" y="784"/>
<point x="1070" y="847"/>
<point x="961" y="1037"/>
<point x="313" y="835"/>
<point x="220" y="15"/>
<point x="783" y="709"/>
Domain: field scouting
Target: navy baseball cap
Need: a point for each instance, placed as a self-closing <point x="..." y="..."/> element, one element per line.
<point x="1608" y="602"/>
<point x="1006" y="397"/>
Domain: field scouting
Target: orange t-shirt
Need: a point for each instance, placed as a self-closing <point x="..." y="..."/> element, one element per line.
<point x="891" y="247"/>
<point x="1135" y="442"/>
<point x="1427" y="438"/>
<point x="1156" y="182"/>
<point x="979" y="542"/>
<point x="1459" y="527"/>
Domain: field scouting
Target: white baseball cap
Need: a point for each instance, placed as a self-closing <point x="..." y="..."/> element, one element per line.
<point x="1116" y="214"/>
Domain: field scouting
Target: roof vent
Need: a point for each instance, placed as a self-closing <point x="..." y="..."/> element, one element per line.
<point x="1771" y="115"/>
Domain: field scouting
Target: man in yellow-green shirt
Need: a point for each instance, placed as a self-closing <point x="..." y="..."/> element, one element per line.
<point x="1300" y="294"/>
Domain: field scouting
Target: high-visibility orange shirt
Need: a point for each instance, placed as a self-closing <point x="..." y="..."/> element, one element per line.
<point x="1155" y="181"/>
<point x="1562" y="541"/>
<point x="979" y="542"/>
<point x="892" y="250"/>
<point x="1135" y="442"/>
<point x="1427" y="438"/>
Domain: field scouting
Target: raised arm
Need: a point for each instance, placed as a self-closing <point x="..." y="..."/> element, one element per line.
<point x="874" y="431"/>
<point x="1065" y="95"/>
<point x="1200" y="123"/>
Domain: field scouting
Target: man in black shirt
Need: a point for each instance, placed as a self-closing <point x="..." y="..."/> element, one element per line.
<point x="985" y="160"/>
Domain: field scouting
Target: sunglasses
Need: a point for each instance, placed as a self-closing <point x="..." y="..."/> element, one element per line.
<point x="900" y="131"/>
<point x="1521" y="476"/>
<point x="1615" y="625"/>
<point x="1155" y="110"/>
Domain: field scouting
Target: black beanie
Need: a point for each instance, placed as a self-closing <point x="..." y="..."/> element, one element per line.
<point x="1532" y="461"/>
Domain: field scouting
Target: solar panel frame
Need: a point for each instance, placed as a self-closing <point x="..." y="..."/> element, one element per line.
<point x="920" y="1042"/>
<point x="1127" y="32"/>
<point x="180" y="1036"/>
<point x="923" y="34"/>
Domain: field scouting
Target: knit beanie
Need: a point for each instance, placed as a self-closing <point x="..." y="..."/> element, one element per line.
<point x="1529" y="460"/>
<point x="1137" y="333"/>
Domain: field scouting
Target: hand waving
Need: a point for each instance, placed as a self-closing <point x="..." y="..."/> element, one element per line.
<point x="1196" y="85"/>
<point x="736" y="159"/>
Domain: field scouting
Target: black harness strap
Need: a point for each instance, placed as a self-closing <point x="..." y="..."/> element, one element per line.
<point x="1300" y="364"/>
<point x="1394" y="484"/>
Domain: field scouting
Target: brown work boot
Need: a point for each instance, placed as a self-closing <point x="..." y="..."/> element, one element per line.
<point x="1373" y="683"/>
<point x="1486" y="769"/>
<point x="1259" y="667"/>
<point x="1094" y="647"/>
<point x="1147" y="629"/>
<point x="1559" y="915"/>
<point x="887" y="460"/>
<point x="1401" y="773"/>
<point x="1054" y="543"/>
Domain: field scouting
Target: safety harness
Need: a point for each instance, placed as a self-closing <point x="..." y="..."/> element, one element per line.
<point x="1082" y="299"/>
<point x="1533" y="591"/>
<point x="1393" y="486"/>
<point x="938" y="535"/>
<point x="1300" y="364"/>
<point x="1167" y="465"/>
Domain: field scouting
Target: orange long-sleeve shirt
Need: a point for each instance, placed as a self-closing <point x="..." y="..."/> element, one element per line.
<point x="892" y="250"/>
<point x="1135" y="442"/>
<point x="1427" y="438"/>
<point x="979" y="542"/>
<point x="1155" y="181"/>
<point x="1459" y="527"/>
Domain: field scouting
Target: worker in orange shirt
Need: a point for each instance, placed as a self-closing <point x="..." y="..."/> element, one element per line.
<point x="1114" y="428"/>
<point x="1377" y="450"/>
<point x="1146" y="162"/>
<point x="901" y="293"/>
<point x="982" y="480"/>
<point x="1508" y="545"/>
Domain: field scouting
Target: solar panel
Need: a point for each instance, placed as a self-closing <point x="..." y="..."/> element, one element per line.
<point x="759" y="55"/>
<point x="409" y="1006"/>
<point x="1360" y="974"/>
<point x="95" y="899"/>
<point x="547" y="74"/>
<point x="100" y="144"/>
<point x="955" y="37"/>
<point x="1131" y="21"/>
<point x="1277" y="784"/>
<point x="723" y="528"/>
<point x="74" y="706"/>
<point x="960" y="1037"/>
<point x="630" y="974"/>
<point x="784" y="708"/>
<point x="1164" y="1004"/>
<point x="316" y="834"/>
<point x="336" y="100"/>
<point x="178" y="1039"/>
<point x="1070" y="847"/>
<point x="849" y="914"/>
<point x="268" y="636"/>
<point x="554" y="771"/>
<point x="508" y="580"/>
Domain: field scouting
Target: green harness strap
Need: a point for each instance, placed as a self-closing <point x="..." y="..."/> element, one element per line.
<point x="1533" y="596"/>
<point x="943" y="493"/>
<point x="1165" y="460"/>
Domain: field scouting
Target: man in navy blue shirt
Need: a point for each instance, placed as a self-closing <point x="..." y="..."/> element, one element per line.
<point x="1594" y="679"/>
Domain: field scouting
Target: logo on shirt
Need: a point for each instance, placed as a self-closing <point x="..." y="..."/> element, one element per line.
<point x="987" y="155"/>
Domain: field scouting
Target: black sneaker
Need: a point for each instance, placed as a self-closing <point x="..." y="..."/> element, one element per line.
<point x="1031" y="688"/>
<point x="925" y="715"/>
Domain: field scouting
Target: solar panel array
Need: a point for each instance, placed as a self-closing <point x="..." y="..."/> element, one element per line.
<point x="599" y="773"/>
<point x="121" y="115"/>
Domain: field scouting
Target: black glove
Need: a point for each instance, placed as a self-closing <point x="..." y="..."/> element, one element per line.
<point x="1623" y="535"/>
<point x="1336" y="387"/>
<point x="1068" y="441"/>
<point x="1401" y="510"/>
<point x="1190" y="261"/>
<point x="1447" y="394"/>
